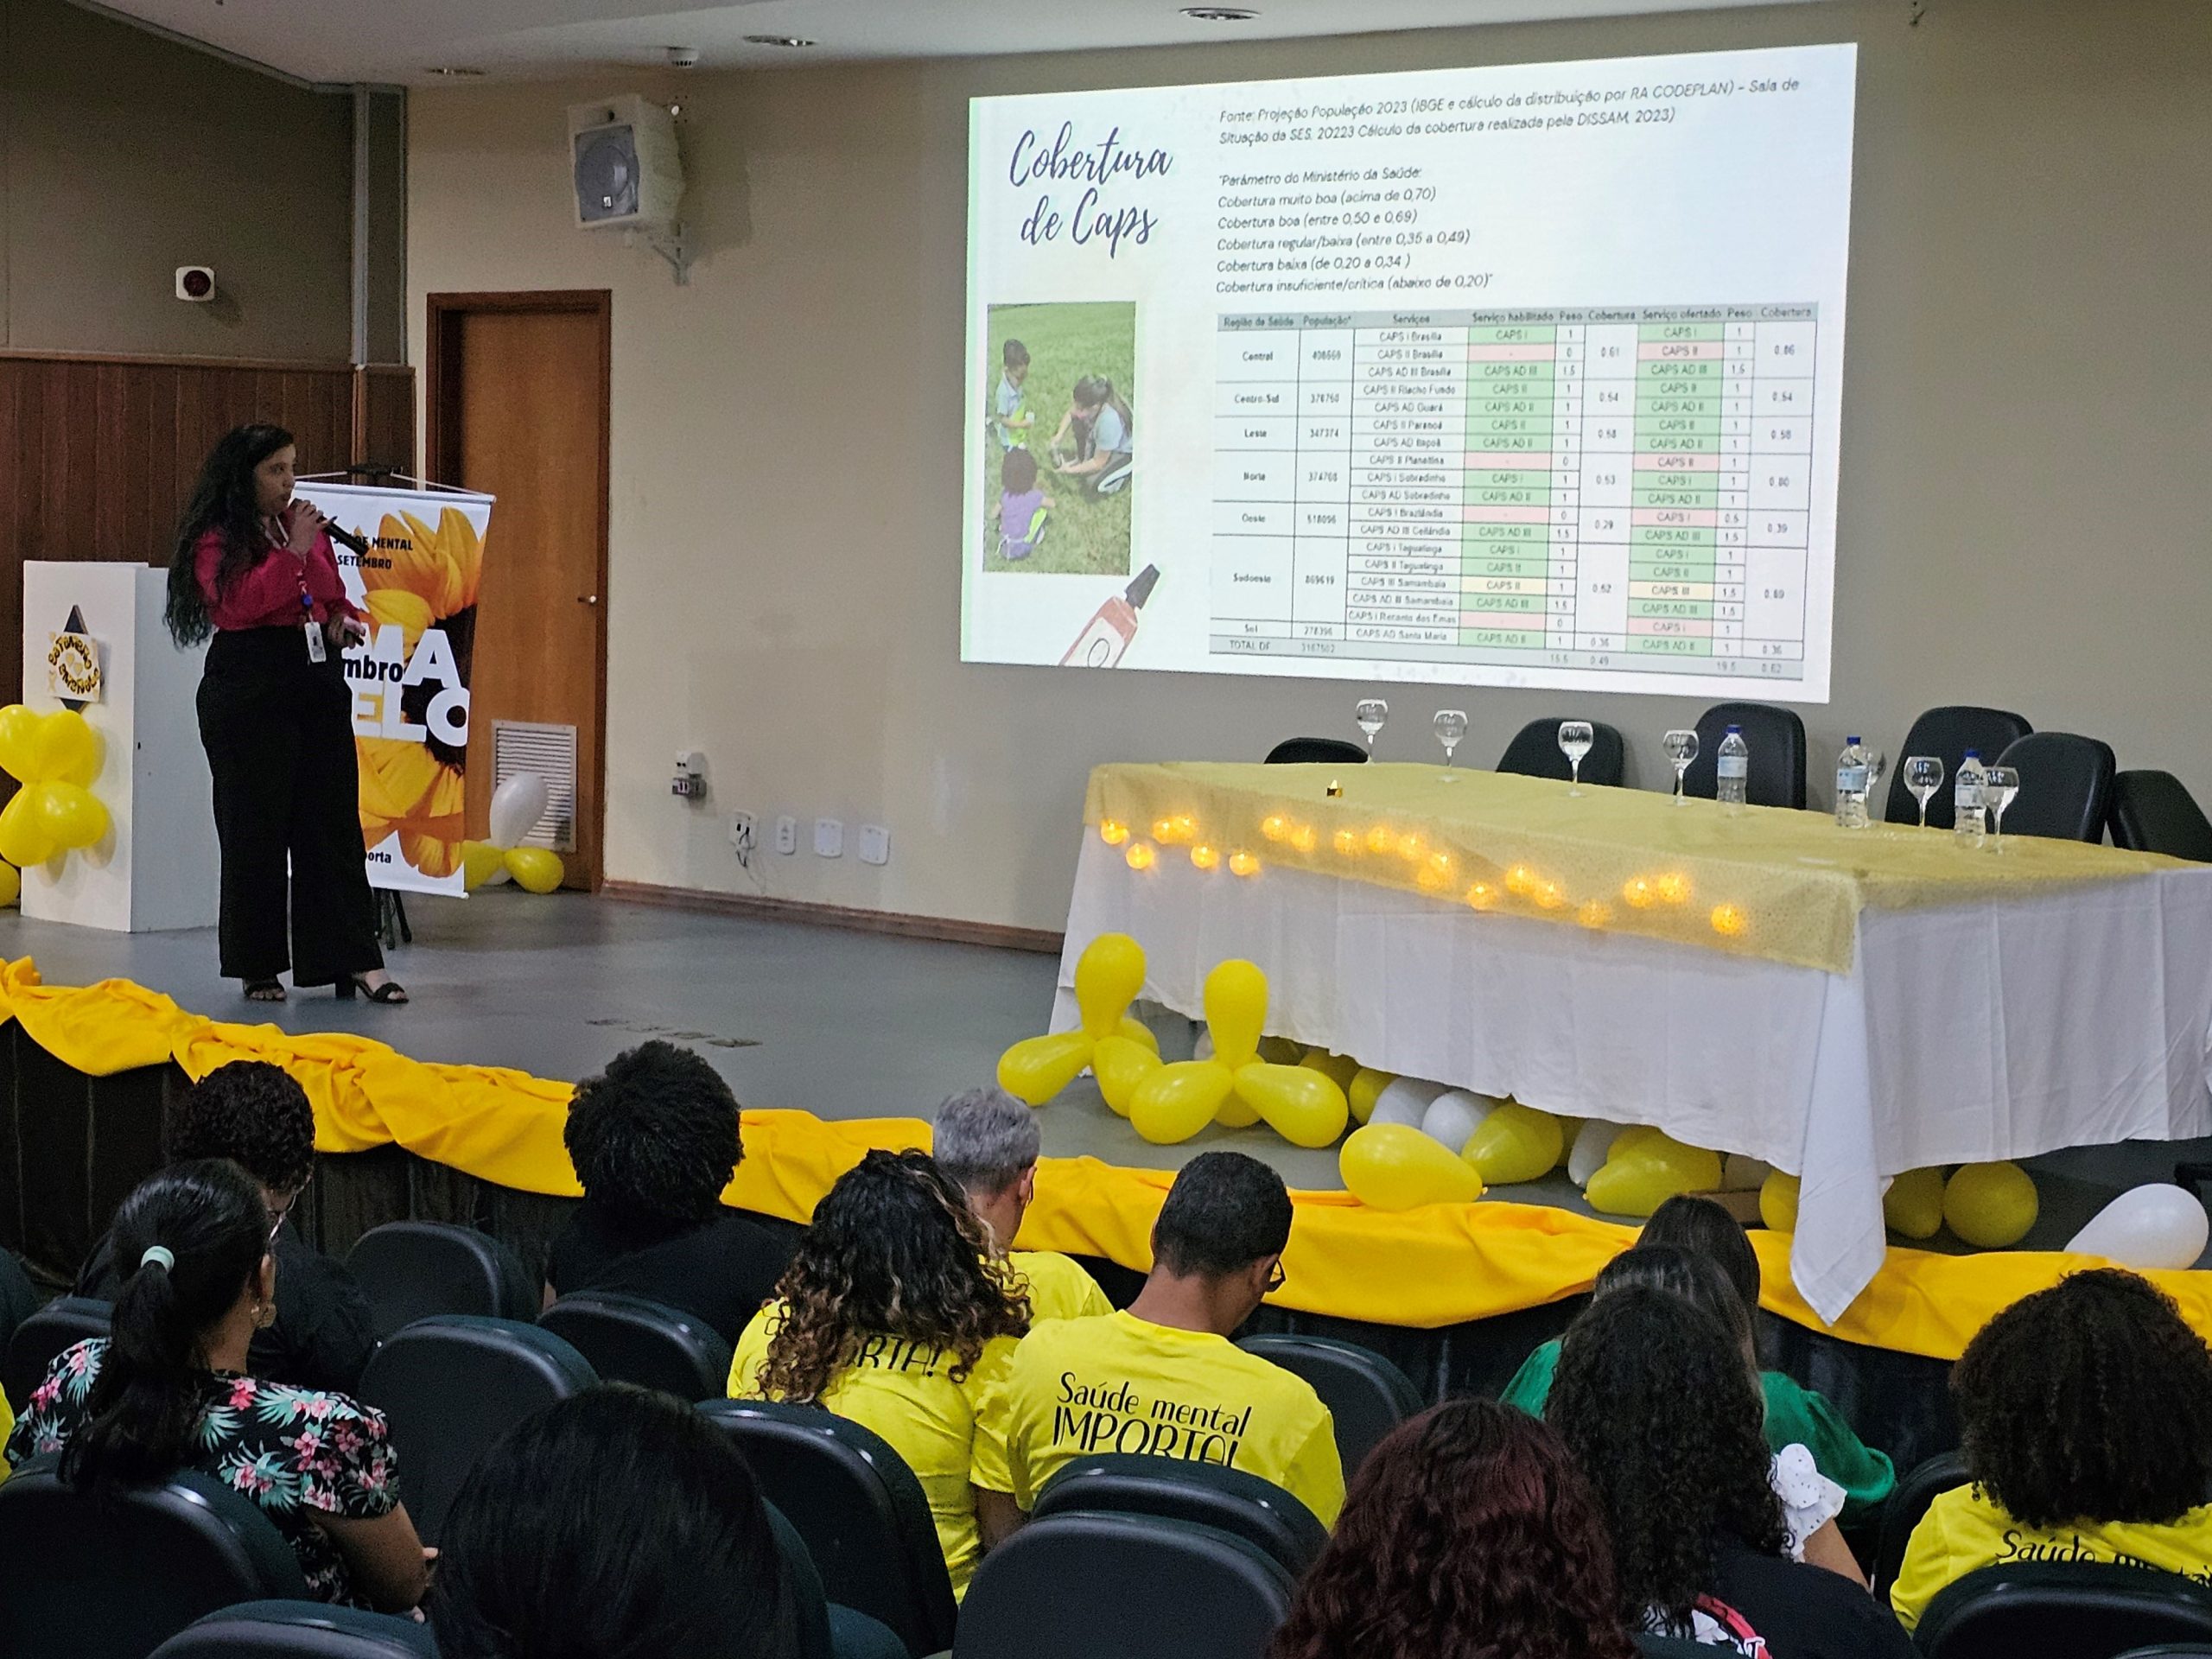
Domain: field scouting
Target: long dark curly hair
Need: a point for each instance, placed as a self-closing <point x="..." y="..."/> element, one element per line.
<point x="894" y="1252"/>
<point x="1653" y="1398"/>
<point x="2091" y="1400"/>
<point x="223" y="499"/>
<point x="1468" y="1534"/>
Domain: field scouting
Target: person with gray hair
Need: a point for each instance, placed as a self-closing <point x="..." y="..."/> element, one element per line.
<point x="987" y="1143"/>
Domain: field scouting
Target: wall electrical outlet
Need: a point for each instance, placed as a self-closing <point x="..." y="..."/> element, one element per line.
<point x="875" y="844"/>
<point x="740" y="838"/>
<point x="787" y="835"/>
<point x="829" y="838"/>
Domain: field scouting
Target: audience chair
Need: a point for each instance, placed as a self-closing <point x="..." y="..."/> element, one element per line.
<point x="410" y="1270"/>
<point x="453" y="1384"/>
<point x="630" y="1339"/>
<point x="19" y="1298"/>
<point x="1947" y="733"/>
<point x="826" y="1630"/>
<point x="2154" y="812"/>
<point x="858" y="1506"/>
<point x="99" y="1580"/>
<point x="1317" y="751"/>
<point x="2062" y="1610"/>
<point x="300" y="1630"/>
<point x="40" y="1339"/>
<point x="2171" y="1651"/>
<point x="1777" y="740"/>
<point x="1534" y="753"/>
<point x="2065" y="786"/>
<point x="1086" y="1585"/>
<point x="1366" y="1394"/>
<point x="1204" y="1493"/>
<point x="1915" y="1489"/>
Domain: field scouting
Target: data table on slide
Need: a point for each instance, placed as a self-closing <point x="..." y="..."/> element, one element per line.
<point x="1621" y="488"/>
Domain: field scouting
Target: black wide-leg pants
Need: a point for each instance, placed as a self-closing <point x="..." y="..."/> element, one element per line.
<point x="279" y="735"/>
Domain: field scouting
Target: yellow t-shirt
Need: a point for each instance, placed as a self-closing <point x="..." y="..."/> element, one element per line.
<point x="1058" y="1287"/>
<point x="1964" y="1530"/>
<point x="1119" y="1383"/>
<point x="947" y="1432"/>
<point x="6" y="1427"/>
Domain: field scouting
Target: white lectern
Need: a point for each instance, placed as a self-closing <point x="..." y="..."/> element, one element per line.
<point x="156" y="867"/>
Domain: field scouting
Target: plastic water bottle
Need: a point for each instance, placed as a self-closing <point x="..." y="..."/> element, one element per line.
<point x="1966" y="800"/>
<point x="1733" y="772"/>
<point x="1851" y="769"/>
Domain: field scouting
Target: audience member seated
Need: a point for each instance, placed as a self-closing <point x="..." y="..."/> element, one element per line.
<point x="671" y="1555"/>
<point x="1468" y="1532"/>
<point x="257" y="1116"/>
<point x="1795" y="1415"/>
<point x="2086" y="1415"/>
<point x="655" y="1141"/>
<point x="170" y="1389"/>
<point x="896" y="1314"/>
<point x="987" y="1142"/>
<point x="1655" y="1398"/>
<point x="1162" y="1378"/>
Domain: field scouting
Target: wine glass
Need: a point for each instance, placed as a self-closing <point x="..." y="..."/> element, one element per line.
<point x="1998" y="786"/>
<point x="1575" y="739"/>
<point x="1451" y="726"/>
<point x="1923" y="776"/>
<point x="1680" y="748"/>
<point x="1370" y="714"/>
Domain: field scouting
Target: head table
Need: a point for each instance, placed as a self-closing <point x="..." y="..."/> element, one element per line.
<point x="1844" y="1004"/>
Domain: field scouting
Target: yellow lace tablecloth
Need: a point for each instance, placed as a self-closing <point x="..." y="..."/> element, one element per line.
<point x="1767" y="882"/>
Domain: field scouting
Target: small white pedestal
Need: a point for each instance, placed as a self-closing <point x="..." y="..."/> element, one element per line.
<point x="156" y="867"/>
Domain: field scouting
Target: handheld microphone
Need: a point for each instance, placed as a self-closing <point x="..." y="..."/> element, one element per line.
<point x="345" y="538"/>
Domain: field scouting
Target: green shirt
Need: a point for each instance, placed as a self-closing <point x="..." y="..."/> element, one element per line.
<point x="1795" y="1416"/>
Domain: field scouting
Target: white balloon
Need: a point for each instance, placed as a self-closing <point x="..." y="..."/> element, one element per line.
<point x="517" y="805"/>
<point x="1592" y="1145"/>
<point x="1406" y="1101"/>
<point x="1742" y="1174"/>
<point x="1452" y="1116"/>
<point x="2155" y="1226"/>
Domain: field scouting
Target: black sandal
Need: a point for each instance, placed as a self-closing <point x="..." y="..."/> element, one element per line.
<point x="390" y="992"/>
<point x="264" y="991"/>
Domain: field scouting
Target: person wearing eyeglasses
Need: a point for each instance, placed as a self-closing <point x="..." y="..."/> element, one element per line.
<point x="1162" y="1378"/>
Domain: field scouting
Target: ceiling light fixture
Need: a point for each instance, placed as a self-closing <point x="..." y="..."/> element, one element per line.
<point x="455" y="72"/>
<point x="1220" y="13"/>
<point x="791" y="42"/>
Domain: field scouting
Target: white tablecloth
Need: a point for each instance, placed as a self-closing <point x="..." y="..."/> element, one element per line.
<point x="1991" y="1030"/>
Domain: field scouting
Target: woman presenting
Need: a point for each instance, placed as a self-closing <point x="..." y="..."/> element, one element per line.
<point x="254" y="567"/>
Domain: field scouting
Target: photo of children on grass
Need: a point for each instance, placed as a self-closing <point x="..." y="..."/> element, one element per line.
<point x="1060" y="461"/>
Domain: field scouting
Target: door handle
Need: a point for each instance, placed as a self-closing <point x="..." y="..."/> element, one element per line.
<point x="587" y="599"/>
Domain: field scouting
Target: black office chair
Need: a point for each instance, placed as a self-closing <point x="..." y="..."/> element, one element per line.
<point x="863" y="1515"/>
<point x="96" y="1579"/>
<point x="2065" y="786"/>
<point x="42" y="1338"/>
<point x="1165" y="1589"/>
<point x="19" y="1298"/>
<point x="826" y="1630"/>
<point x="300" y="1630"/>
<point x="2062" y="1610"/>
<point x="1204" y="1493"/>
<point x="1366" y="1394"/>
<point x="630" y="1339"/>
<point x="2154" y="812"/>
<point x="1317" y="751"/>
<point x="1776" y="738"/>
<point x="1534" y="753"/>
<point x="410" y="1270"/>
<point x="1916" y="1489"/>
<point x="1947" y="733"/>
<point x="453" y="1384"/>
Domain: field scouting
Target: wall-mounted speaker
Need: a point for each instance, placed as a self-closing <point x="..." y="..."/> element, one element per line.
<point x="625" y="166"/>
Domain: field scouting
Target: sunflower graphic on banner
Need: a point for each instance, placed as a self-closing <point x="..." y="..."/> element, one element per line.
<point x="418" y="580"/>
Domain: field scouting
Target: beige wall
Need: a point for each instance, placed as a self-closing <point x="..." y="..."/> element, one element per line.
<point x="125" y="157"/>
<point x="2028" y="430"/>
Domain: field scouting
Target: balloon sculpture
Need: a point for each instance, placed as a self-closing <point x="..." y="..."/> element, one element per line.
<point x="516" y="805"/>
<point x="1108" y="977"/>
<point x="54" y="756"/>
<point x="1303" y="1103"/>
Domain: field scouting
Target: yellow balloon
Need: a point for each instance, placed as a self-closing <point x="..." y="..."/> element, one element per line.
<point x="23" y="840"/>
<point x="1300" y="1104"/>
<point x="1360" y="1094"/>
<point x="1514" y="1143"/>
<point x="1236" y="1011"/>
<point x="1280" y="1050"/>
<point x="65" y="748"/>
<point x="1237" y="1113"/>
<point x="1651" y="1170"/>
<point x="1136" y="1032"/>
<point x="1176" y="1102"/>
<point x="11" y="884"/>
<point x="479" y="862"/>
<point x="1395" y="1166"/>
<point x="19" y="728"/>
<point x="70" y="814"/>
<point x="1339" y="1069"/>
<point x="537" y="868"/>
<point x="1778" y="1202"/>
<point x="1914" y="1203"/>
<point x="1108" y="977"/>
<point x="1120" y="1064"/>
<point x="1039" y="1067"/>
<point x="1990" y="1206"/>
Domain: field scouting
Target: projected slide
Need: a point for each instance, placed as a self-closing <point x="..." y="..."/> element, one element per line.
<point x="1516" y="376"/>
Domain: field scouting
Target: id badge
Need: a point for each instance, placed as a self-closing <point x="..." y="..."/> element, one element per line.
<point x="317" y="650"/>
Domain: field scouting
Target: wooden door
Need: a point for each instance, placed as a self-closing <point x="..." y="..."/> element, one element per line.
<point x="516" y="393"/>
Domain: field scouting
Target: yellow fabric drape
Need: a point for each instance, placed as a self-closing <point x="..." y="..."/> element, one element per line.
<point x="1423" y="1269"/>
<point x="1784" y="885"/>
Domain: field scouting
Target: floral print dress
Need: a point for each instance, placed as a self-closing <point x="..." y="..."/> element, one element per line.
<point x="292" y="1450"/>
